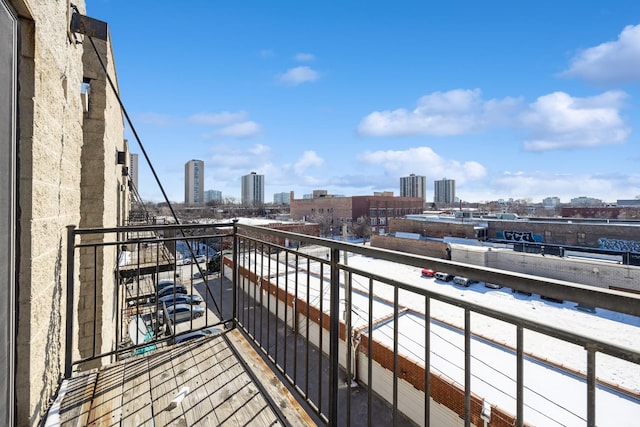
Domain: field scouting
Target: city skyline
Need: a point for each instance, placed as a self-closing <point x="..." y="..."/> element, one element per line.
<point x="512" y="101"/>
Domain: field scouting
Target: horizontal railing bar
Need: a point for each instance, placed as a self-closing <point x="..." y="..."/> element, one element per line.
<point x="150" y="240"/>
<point x="150" y="228"/>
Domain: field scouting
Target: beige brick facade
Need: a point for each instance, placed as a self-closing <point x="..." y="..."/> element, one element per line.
<point x="67" y="175"/>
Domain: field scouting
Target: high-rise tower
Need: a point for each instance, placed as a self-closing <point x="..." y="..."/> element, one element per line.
<point x="253" y="189"/>
<point x="444" y="191"/>
<point x="194" y="182"/>
<point x="413" y="186"/>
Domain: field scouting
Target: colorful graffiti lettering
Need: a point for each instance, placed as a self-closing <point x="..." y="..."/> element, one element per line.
<point x="619" y="245"/>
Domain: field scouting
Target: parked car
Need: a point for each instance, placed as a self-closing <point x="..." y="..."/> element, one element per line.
<point x="183" y="312"/>
<point x="463" y="281"/>
<point x="427" y="272"/>
<point x="196" y="334"/>
<point x="166" y="283"/>
<point x="181" y="299"/>
<point x="169" y="290"/>
<point x="445" y="277"/>
<point x="492" y="285"/>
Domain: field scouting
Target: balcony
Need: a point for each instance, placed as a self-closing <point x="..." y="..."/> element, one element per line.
<point x="306" y="331"/>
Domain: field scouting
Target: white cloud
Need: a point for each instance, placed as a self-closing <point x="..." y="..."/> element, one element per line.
<point x="455" y="112"/>
<point x="536" y="185"/>
<point x="308" y="160"/>
<point x="217" y="119"/>
<point x="423" y="161"/>
<point x="304" y="57"/>
<point x="240" y="130"/>
<point x="611" y="62"/>
<point x="260" y="150"/>
<point x="156" y="119"/>
<point x="560" y="121"/>
<point x="298" y="75"/>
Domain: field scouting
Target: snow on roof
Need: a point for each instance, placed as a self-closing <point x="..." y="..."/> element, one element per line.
<point x="553" y="396"/>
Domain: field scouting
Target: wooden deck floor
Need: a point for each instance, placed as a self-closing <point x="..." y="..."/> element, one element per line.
<point x="198" y="383"/>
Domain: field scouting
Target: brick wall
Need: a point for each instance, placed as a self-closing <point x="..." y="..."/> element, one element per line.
<point x="418" y="247"/>
<point x="574" y="234"/>
<point x="432" y="229"/>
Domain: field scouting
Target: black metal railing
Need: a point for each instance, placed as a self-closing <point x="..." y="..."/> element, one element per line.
<point x="117" y="270"/>
<point x="340" y="334"/>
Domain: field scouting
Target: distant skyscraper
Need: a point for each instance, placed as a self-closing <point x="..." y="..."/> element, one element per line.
<point x="213" y="196"/>
<point x="444" y="191"/>
<point x="133" y="169"/>
<point x="194" y="182"/>
<point x="413" y="186"/>
<point x="253" y="189"/>
<point x="282" y="198"/>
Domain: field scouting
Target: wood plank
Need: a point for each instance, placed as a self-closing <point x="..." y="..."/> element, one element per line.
<point x="76" y="404"/>
<point x="245" y="399"/>
<point x="197" y="406"/>
<point x="287" y="403"/>
<point x="107" y="397"/>
<point x="136" y="397"/>
<point x="215" y="381"/>
<point x="163" y="384"/>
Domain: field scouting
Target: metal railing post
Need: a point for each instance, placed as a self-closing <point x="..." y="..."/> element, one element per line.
<point x="334" y="336"/>
<point x="234" y="273"/>
<point x="68" y="340"/>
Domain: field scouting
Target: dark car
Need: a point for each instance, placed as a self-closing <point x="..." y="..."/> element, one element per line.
<point x="166" y="283"/>
<point x="169" y="290"/>
<point x="463" y="281"/>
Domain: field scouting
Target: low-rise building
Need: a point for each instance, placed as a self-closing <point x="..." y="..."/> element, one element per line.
<point x="377" y="209"/>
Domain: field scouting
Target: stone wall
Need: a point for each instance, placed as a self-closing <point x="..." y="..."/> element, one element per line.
<point x="50" y="126"/>
<point x="50" y="176"/>
<point x="104" y="202"/>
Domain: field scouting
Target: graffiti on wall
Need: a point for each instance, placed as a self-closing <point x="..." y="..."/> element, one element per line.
<point x="519" y="236"/>
<point x="619" y="245"/>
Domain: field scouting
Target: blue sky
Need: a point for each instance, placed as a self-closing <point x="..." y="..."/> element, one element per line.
<point x="512" y="99"/>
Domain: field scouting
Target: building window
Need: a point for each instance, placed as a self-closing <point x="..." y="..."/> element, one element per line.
<point x="582" y="238"/>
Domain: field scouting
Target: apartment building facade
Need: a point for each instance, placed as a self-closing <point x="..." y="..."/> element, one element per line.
<point x="413" y="186"/>
<point x="444" y="191"/>
<point x="64" y="163"/>
<point x="194" y="182"/>
<point x="253" y="189"/>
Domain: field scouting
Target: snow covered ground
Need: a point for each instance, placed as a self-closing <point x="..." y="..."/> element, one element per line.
<point x="552" y="396"/>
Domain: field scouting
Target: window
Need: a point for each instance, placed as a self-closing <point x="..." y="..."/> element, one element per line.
<point x="581" y="238"/>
